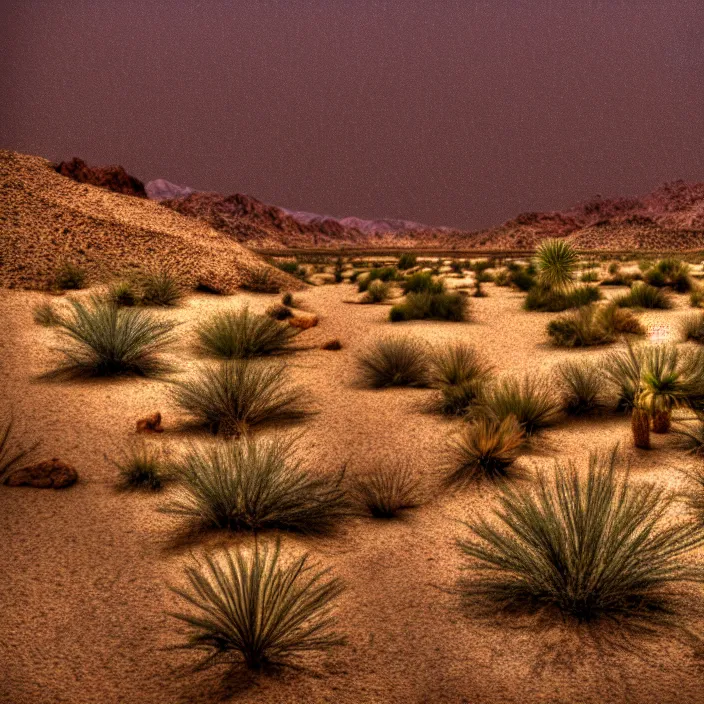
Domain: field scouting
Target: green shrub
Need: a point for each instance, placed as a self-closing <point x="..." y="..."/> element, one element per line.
<point x="242" y="334"/>
<point x="691" y="438"/>
<point x="453" y="307"/>
<point x="423" y="282"/>
<point x="45" y="314"/>
<point x="502" y="278"/>
<point x="692" y="327"/>
<point x="377" y="292"/>
<point x="459" y="373"/>
<point x="589" y="277"/>
<point x="233" y="397"/>
<point x="583" y="388"/>
<point x="556" y="261"/>
<point x="141" y="467"/>
<point x="592" y="325"/>
<point x="69" y="276"/>
<point x="255" y="485"/>
<point x="262" y="280"/>
<point x="395" y="361"/>
<point x="160" y="287"/>
<point x="644" y="296"/>
<point x="250" y="608"/>
<point x="594" y="548"/>
<point x="522" y="279"/>
<point x="104" y="340"/>
<point x="123" y="294"/>
<point x="485" y="449"/>
<point x="529" y="399"/>
<point x="407" y="261"/>
<point x="293" y="268"/>
<point x="670" y="272"/>
<point x="387" y="491"/>
<point x="614" y="267"/>
<point x="554" y="301"/>
<point x="388" y="273"/>
<point x="622" y="370"/>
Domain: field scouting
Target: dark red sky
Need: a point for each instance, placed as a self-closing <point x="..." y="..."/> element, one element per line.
<point x="443" y="111"/>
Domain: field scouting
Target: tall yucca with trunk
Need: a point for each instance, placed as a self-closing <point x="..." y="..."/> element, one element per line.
<point x="250" y="608"/>
<point x="557" y="262"/>
<point x="592" y="547"/>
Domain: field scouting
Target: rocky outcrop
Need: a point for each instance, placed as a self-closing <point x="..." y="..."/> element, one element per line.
<point x="112" y="178"/>
<point x="161" y="189"/>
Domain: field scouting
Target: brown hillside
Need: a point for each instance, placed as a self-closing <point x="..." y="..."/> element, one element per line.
<point x="46" y="218"/>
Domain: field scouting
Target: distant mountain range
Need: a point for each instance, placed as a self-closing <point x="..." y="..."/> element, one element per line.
<point x="670" y="217"/>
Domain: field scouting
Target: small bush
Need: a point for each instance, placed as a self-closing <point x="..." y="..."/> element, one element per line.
<point x="592" y="326"/>
<point x="69" y="276"/>
<point x="622" y="370"/>
<point x="522" y="279"/>
<point x="250" y="608"/>
<point x="387" y="491"/>
<point x="592" y="548"/>
<point x="691" y="437"/>
<point x="233" y="397"/>
<point x="460" y="373"/>
<point x="589" y="277"/>
<point x="388" y="273"/>
<point x="255" y="485"/>
<point x="529" y="399"/>
<point x="696" y="298"/>
<point x="692" y="327"/>
<point x="485" y="449"/>
<point x="583" y="388"/>
<point x="44" y="314"/>
<point x="423" y="282"/>
<point x="160" y="287"/>
<point x="554" y="301"/>
<point x="377" y="292"/>
<point x="502" y="278"/>
<point x="242" y="334"/>
<point x="104" y="340"/>
<point x="123" y="294"/>
<point x="406" y="261"/>
<point x="644" y="296"/>
<point x="395" y="361"/>
<point x="453" y="307"/>
<point x="262" y="280"/>
<point x="141" y="468"/>
<point x="293" y="268"/>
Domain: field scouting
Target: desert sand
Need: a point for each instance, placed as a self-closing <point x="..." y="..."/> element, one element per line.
<point x="86" y="570"/>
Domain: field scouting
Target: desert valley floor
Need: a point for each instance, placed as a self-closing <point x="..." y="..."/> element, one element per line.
<point x="86" y="571"/>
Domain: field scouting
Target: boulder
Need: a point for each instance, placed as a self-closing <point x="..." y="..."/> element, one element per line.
<point x="49" y="474"/>
<point x="150" y="424"/>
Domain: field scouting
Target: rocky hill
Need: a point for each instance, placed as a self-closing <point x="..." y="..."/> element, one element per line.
<point x="113" y="178"/>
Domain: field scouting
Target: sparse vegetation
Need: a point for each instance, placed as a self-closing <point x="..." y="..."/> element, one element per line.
<point x="547" y="300"/>
<point x="262" y="280"/>
<point x="692" y="327"/>
<point x="593" y="548"/>
<point x="386" y="274"/>
<point x="141" y="467"/>
<point x="105" y="340"/>
<point x="255" y="485"/>
<point x="453" y="307"/>
<point x="160" y="287"/>
<point x="395" y="361"/>
<point x="233" y="397"/>
<point x="644" y="296"/>
<point x="484" y="449"/>
<point x="592" y="325"/>
<point x="252" y="609"/>
<point x="406" y="261"/>
<point x="423" y="282"/>
<point x="670" y="272"/>
<point x="583" y="388"/>
<point x="69" y="277"/>
<point x="287" y="299"/>
<point x="45" y="314"/>
<point x="691" y="437"/>
<point x="387" y="491"/>
<point x="243" y="334"/>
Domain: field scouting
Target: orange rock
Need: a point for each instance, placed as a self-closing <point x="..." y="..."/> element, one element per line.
<point x="49" y="474"/>
<point x="150" y="424"/>
<point x="303" y="323"/>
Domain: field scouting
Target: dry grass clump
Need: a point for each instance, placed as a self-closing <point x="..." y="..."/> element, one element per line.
<point x="242" y="334"/>
<point x="394" y="361"/>
<point x="385" y="274"/>
<point x="453" y="307"/>
<point x="232" y="397"/>
<point x="248" y="608"/>
<point x="692" y="327"/>
<point x="592" y="548"/>
<point x="105" y="340"/>
<point x="549" y="300"/>
<point x="529" y="399"/>
<point x="670" y="272"/>
<point x="141" y="467"/>
<point x="255" y="485"/>
<point x="423" y="282"/>
<point x="69" y="277"/>
<point x="696" y="297"/>
<point x="45" y="314"/>
<point x="583" y="388"/>
<point x="593" y="325"/>
<point x="387" y="491"/>
<point x="262" y="280"/>
<point x="159" y="287"/>
<point x="644" y="296"/>
<point x="377" y="292"/>
<point x="484" y="449"/>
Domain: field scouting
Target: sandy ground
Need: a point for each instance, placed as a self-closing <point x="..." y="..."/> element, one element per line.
<point x="85" y="571"/>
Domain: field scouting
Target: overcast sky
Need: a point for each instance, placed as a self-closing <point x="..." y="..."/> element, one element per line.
<point x="443" y="111"/>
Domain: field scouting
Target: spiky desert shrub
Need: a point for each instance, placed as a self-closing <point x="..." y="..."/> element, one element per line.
<point x="484" y="449"/>
<point x="263" y="279"/>
<point x="69" y="276"/>
<point x="407" y="260"/>
<point x="548" y="300"/>
<point x="592" y="548"/>
<point x="522" y="278"/>
<point x="583" y="387"/>
<point x="423" y="282"/>
<point x="556" y="261"/>
<point x="141" y="467"/>
<point x="243" y="334"/>
<point x="248" y="607"/>
<point x="691" y="436"/>
<point x="123" y="293"/>
<point x="160" y="286"/>
<point x="692" y="327"/>
<point x="643" y="296"/>
<point x="11" y="452"/>
<point x="589" y="277"/>
<point x="529" y="399"/>
<point x="105" y="340"/>
<point x="387" y="491"/>
<point x="45" y="314"/>
<point x="696" y="297"/>
<point x="394" y="361"/>
<point x="255" y="485"/>
<point x="592" y="325"/>
<point x="377" y="292"/>
<point x="502" y="278"/>
<point x="622" y="370"/>
<point x="670" y="272"/>
<point x="232" y="397"/>
<point x="453" y="307"/>
<point x="619" y="321"/>
<point x="388" y="273"/>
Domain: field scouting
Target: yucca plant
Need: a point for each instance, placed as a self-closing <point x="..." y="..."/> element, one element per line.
<point x="255" y="484"/>
<point x="484" y="449"/>
<point x="11" y="453"/>
<point x="594" y="547"/>
<point x="141" y="467"/>
<point x="387" y="491"/>
<point x="583" y="388"/>
<point x="106" y="340"/>
<point x="592" y="325"/>
<point x="529" y="399"/>
<point x="237" y="395"/>
<point x="644" y="296"/>
<point x="247" y="607"/>
<point x="394" y="361"/>
<point x="242" y="334"/>
<point x="692" y="327"/>
<point x="622" y="371"/>
<point x="557" y="261"/>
